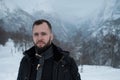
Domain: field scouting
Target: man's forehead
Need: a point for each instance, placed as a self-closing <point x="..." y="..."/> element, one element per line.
<point x="41" y="28"/>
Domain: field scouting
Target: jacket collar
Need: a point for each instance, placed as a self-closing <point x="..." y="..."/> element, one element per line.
<point x="57" y="53"/>
<point x="46" y="54"/>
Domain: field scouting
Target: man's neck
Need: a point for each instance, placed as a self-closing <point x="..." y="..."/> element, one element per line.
<point x="41" y="50"/>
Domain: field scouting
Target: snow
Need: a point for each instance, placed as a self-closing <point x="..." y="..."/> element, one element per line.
<point x="10" y="59"/>
<point x="99" y="73"/>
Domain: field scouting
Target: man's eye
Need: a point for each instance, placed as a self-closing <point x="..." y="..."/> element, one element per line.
<point x="43" y="33"/>
<point x="36" y="34"/>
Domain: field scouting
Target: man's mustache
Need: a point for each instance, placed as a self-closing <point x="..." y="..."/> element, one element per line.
<point x="40" y="42"/>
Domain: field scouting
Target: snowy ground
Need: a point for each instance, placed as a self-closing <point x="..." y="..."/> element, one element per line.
<point x="9" y="61"/>
<point x="99" y="73"/>
<point x="10" y="58"/>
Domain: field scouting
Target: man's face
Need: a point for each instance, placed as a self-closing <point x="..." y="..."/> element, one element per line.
<point x="42" y="36"/>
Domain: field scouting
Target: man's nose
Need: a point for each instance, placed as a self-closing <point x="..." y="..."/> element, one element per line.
<point x="39" y="36"/>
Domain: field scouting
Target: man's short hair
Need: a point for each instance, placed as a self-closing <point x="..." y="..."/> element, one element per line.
<point x="41" y="21"/>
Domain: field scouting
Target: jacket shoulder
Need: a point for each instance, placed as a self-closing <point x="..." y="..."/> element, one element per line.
<point x="24" y="69"/>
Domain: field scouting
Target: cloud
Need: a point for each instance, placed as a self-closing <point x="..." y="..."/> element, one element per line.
<point x="64" y="8"/>
<point x="31" y="5"/>
<point x="76" y="7"/>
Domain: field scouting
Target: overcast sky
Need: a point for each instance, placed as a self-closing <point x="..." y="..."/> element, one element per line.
<point x="68" y="8"/>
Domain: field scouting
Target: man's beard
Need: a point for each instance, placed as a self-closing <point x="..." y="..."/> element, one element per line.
<point x="39" y="50"/>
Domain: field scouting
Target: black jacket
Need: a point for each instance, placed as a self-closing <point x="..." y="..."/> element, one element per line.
<point x="63" y="68"/>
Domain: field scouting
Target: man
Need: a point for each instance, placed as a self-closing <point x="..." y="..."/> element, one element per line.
<point x="46" y="61"/>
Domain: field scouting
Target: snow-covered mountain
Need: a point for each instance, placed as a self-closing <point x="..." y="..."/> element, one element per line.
<point x="106" y="18"/>
<point x="98" y="38"/>
<point x="20" y="20"/>
<point x="3" y="9"/>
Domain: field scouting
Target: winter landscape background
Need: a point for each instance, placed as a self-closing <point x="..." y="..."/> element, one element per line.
<point x="10" y="59"/>
<point x="90" y="30"/>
